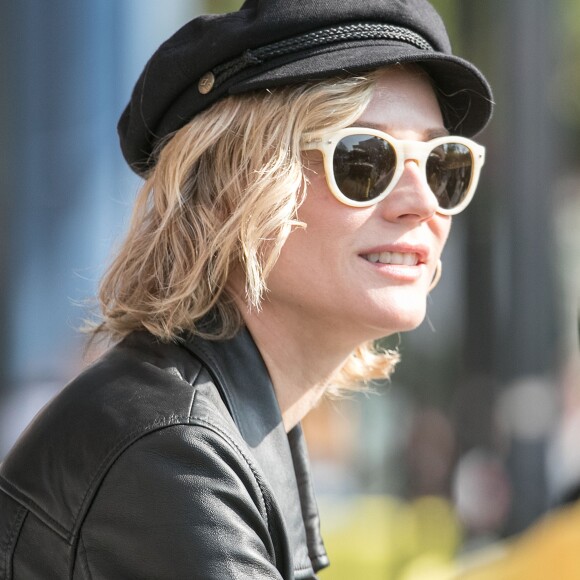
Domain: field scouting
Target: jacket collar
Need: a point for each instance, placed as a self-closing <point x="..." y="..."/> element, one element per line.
<point x="245" y="385"/>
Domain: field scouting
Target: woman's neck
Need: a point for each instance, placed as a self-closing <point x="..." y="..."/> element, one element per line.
<point x="300" y="358"/>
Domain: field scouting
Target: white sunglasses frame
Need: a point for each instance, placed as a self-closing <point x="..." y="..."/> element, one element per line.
<point x="405" y="150"/>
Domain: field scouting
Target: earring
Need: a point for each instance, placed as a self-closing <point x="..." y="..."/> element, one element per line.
<point x="437" y="276"/>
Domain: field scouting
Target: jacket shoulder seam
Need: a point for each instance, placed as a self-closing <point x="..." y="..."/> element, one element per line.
<point x="116" y="450"/>
<point x="62" y="530"/>
<point x="212" y="426"/>
<point x="29" y="504"/>
<point x="85" y="556"/>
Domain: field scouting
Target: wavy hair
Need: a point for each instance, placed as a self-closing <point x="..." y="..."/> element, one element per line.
<point x="223" y="195"/>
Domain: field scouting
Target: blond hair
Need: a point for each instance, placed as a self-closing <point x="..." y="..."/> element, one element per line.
<point x="224" y="193"/>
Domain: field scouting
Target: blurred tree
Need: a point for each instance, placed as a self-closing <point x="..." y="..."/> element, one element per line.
<point x="513" y="322"/>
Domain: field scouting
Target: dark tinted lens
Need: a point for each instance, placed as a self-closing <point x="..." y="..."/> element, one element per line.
<point x="449" y="172"/>
<point x="363" y="166"/>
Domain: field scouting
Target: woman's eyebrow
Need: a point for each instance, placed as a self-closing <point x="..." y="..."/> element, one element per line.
<point x="437" y="132"/>
<point x="429" y="133"/>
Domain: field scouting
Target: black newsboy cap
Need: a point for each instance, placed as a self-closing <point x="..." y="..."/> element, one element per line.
<point x="270" y="43"/>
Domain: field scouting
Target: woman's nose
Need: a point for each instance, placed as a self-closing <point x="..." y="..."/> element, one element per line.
<point x="411" y="198"/>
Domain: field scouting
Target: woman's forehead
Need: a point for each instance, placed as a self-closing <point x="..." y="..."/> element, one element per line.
<point x="404" y="99"/>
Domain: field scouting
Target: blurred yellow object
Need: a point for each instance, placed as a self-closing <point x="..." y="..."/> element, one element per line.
<point x="550" y="549"/>
<point x="428" y="567"/>
<point x="382" y="538"/>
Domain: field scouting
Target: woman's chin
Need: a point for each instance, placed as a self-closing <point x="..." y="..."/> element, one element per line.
<point x="402" y="316"/>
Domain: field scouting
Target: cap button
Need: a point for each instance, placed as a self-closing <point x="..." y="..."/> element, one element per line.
<point x="206" y="83"/>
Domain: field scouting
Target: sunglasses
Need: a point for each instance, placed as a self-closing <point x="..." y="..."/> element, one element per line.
<point x="364" y="165"/>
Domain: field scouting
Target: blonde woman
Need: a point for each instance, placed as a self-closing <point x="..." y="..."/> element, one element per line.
<point x="302" y="161"/>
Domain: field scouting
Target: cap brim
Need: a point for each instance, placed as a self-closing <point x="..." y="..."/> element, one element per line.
<point x="465" y="96"/>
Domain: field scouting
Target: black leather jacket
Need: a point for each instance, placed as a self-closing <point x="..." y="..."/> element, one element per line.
<point x="161" y="461"/>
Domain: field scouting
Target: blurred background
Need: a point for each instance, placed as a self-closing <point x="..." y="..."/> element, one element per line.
<point x="476" y="437"/>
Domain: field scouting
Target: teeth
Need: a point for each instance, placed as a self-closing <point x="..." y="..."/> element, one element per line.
<point x="410" y="259"/>
<point x="395" y="258"/>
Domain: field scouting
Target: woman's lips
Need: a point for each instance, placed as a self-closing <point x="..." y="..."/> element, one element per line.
<point x="406" y="262"/>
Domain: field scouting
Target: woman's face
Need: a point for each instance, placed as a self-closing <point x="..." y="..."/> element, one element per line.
<point x="324" y="277"/>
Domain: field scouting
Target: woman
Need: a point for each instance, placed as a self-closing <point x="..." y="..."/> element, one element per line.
<point x="302" y="161"/>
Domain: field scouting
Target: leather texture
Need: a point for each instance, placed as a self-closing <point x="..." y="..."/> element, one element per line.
<point x="161" y="461"/>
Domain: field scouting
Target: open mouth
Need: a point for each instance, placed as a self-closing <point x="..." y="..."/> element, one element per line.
<point x="394" y="258"/>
